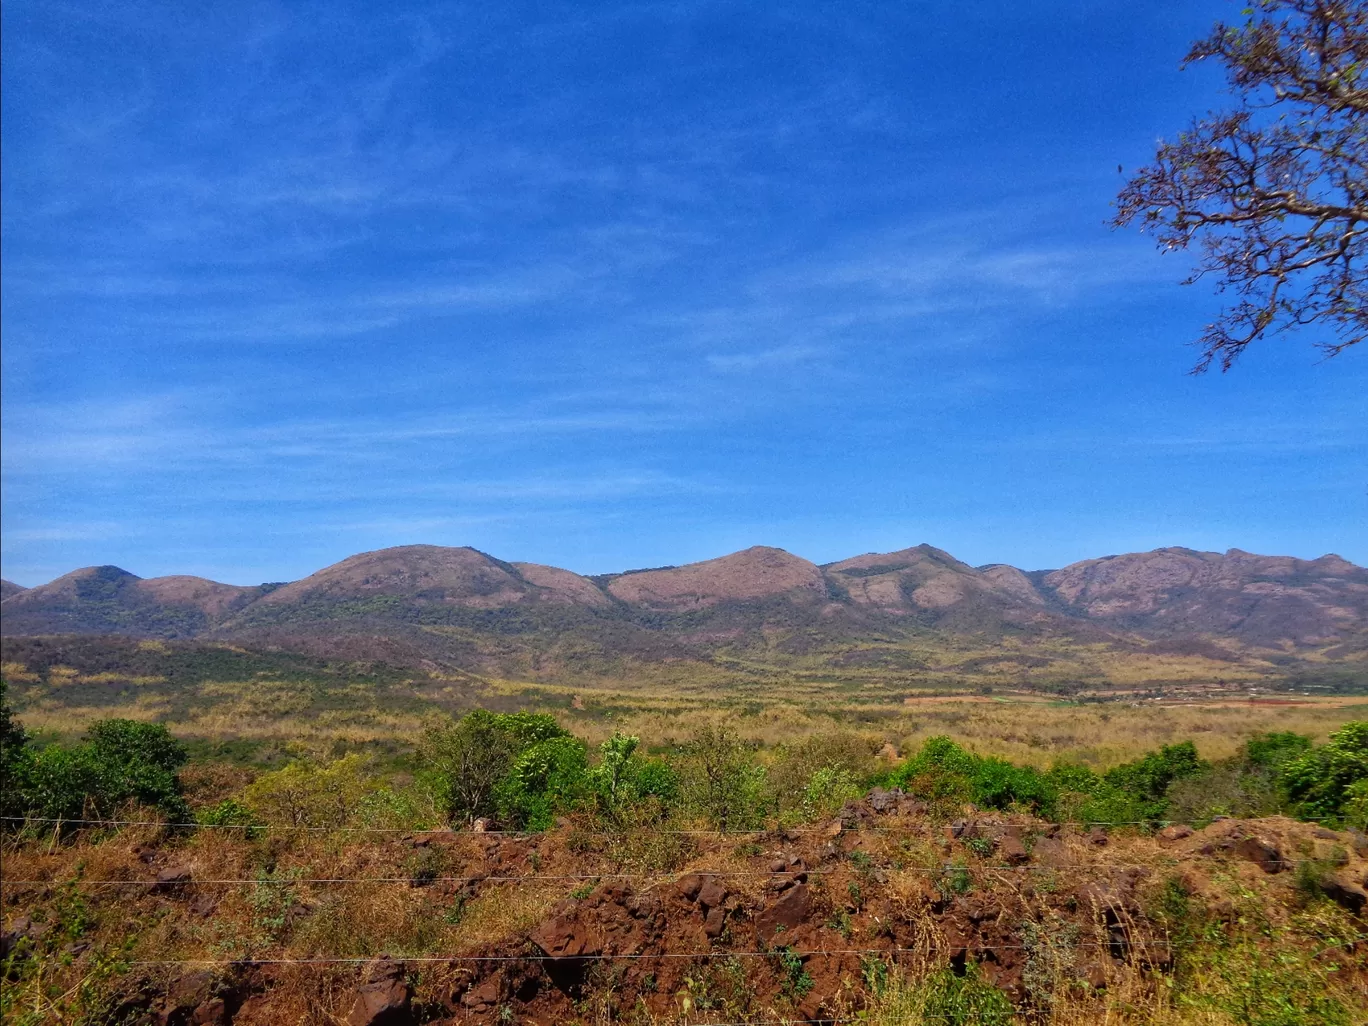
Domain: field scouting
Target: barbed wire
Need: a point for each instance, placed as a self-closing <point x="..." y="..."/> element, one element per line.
<point x="418" y="880"/>
<point x="466" y="831"/>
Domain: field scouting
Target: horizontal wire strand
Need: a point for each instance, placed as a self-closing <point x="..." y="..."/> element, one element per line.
<point x="536" y="833"/>
<point x="581" y="877"/>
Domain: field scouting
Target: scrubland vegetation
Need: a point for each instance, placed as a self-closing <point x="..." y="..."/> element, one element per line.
<point x="947" y="896"/>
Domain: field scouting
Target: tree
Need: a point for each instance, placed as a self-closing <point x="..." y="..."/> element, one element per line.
<point x="1274" y="193"/>
<point x="470" y="757"/>
<point x="15" y="757"/>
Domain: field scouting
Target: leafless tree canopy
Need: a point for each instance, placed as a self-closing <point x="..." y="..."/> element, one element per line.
<point x="1275" y="192"/>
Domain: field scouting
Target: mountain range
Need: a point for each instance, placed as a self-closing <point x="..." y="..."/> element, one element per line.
<point x="915" y="611"/>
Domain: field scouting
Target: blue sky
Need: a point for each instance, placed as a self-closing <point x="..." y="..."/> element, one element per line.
<point x="611" y="286"/>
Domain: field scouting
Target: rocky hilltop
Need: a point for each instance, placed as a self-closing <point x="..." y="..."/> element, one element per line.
<point x="448" y="605"/>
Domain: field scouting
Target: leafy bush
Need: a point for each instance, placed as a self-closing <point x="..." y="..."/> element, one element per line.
<point x="399" y="808"/>
<point x="122" y="762"/>
<point x="1320" y="779"/>
<point x="943" y="998"/>
<point x="625" y="785"/>
<point x="967" y="1000"/>
<point x="1147" y="779"/>
<point x="723" y="782"/>
<point x="1355" y="807"/>
<point x="1248" y="784"/>
<point x="309" y="794"/>
<point x="827" y="790"/>
<point x="547" y="777"/>
<point x="1274" y="750"/>
<point x="129" y="742"/>
<point x="470" y="758"/>
<point x="847" y="755"/>
<point x="15" y="758"/>
<point x="944" y="773"/>
<point x="229" y="812"/>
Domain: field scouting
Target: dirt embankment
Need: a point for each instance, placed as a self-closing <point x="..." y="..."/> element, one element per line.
<point x="785" y="924"/>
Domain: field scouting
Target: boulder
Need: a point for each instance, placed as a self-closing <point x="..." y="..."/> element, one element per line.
<point x="882" y="801"/>
<point x="172" y="880"/>
<point x="789" y="910"/>
<point x="712" y="894"/>
<point x="384" y="999"/>
<point x="196" y="999"/>
<point x="1263" y="853"/>
<point x="689" y="886"/>
<point x="715" y="923"/>
<point x="484" y="997"/>
<point x="1012" y="851"/>
<point x="21" y="931"/>
<point x="564" y="936"/>
<point x="1345" y="893"/>
<point x="1174" y="833"/>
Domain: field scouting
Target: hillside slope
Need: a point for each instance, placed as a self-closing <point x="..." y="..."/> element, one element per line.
<point x="759" y="611"/>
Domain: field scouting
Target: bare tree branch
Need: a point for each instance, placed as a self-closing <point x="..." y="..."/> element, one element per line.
<point x="1274" y="192"/>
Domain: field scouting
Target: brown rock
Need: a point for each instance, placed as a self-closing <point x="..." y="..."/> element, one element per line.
<point x="22" y="929"/>
<point x="714" y="924"/>
<point x="1098" y="836"/>
<point x="712" y="894"/>
<point x="1264" y="853"/>
<point x="1174" y="833"/>
<point x="383" y="1000"/>
<point x="790" y="910"/>
<point x="566" y="937"/>
<point x="1344" y="892"/>
<point x="1013" y="852"/>
<point x="212" y="1013"/>
<point x="1050" y="851"/>
<point x="689" y="886"/>
<point x="172" y="879"/>
<point x="485" y="997"/>
<point x="185" y="997"/>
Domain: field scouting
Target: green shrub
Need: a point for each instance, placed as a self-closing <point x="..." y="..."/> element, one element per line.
<point x="122" y="763"/>
<point x="1320" y="779"/>
<point x="469" y="759"/>
<point x="827" y="790"/>
<point x="547" y="777"/>
<point x="625" y="786"/>
<point x="1272" y="751"/>
<point x="229" y="812"/>
<point x="1147" y="779"/>
<point x="997" y="784"/>
<point x="399" y="808"/>
<point x="942" y="772"/>
<point x="309" y="794"/>
<point x="129" y="742"/>
<point x="967" y="1000"/>
<point x="722" y="780"/>
<point x="848" y="755"/>
<point x="16" y="758"/>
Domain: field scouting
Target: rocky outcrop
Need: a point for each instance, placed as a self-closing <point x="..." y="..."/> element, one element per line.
<point x="384" y="998"/>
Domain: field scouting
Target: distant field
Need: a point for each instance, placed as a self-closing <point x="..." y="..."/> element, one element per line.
<point x="259" y="707"/>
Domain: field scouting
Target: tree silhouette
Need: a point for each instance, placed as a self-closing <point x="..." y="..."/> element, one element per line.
<point x="1273" y="194"/>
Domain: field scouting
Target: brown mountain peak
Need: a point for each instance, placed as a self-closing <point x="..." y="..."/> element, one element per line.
<point x="437" y="573"/>
<point x="758" y="572"/>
